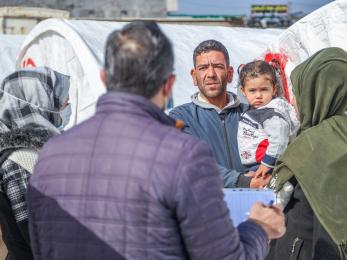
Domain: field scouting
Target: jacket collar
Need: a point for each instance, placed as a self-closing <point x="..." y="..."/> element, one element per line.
<point x="134" y="104"/>
<point x="233" y="102"/>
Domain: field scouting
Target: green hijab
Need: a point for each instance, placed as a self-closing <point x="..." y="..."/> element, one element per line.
<point x="318" y="156"/>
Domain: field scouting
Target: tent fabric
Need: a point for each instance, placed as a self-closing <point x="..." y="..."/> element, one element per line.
<point x="76" y="48"/>
<point x="325" y="27"/>
<point x="9" y="48"/>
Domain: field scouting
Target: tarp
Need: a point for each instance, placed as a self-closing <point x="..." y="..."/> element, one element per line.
<point x="325" y="27"/>
<point x="76" y="48"/>
<point x="9" y="48"/>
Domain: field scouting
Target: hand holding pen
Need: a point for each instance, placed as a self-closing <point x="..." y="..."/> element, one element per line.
<point x="270" y="217"/>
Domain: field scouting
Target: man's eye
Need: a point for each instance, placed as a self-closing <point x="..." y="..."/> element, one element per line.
<point x="202" y="68"/>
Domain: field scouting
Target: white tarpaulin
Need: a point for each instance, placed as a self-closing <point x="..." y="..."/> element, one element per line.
<point x="76" y="48"/>
<point x="325" y="27"/>
<point x="9" y="48"/>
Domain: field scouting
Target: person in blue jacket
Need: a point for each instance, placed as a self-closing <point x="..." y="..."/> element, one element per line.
<point x="213" y="114"/>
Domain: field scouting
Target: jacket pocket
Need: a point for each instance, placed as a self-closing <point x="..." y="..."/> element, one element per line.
<point x="296" y="247"/>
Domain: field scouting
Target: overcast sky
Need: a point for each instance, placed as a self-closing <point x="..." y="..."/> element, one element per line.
<point x="242" y="7"/>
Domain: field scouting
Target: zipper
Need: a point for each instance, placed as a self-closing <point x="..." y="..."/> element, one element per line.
<point x="296" y="240"/>
<point x="226" y="141"/>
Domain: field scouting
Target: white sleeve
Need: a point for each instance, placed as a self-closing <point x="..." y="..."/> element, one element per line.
<point x="278" y="131"/>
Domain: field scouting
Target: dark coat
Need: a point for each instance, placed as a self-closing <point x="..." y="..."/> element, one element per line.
<point x="126" y="184"/>
<point x="305" y="237"/>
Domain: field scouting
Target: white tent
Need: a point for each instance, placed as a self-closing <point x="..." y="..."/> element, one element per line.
<point x="76" y="48"/>
<point x="325" y="27"/>
<point x="9" y="48"/>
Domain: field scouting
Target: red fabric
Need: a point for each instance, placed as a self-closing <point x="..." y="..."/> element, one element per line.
<point x="28" y="63"/>
<point x="261" y="150"/>
<point x="282" y="60"/>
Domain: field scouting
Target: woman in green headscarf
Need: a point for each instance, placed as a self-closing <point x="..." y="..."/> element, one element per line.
<point x="317" y="162"/>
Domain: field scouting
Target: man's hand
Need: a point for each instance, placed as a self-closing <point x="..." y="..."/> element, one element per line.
<point x="260" y="182"/>
<point x="270" y="218"/>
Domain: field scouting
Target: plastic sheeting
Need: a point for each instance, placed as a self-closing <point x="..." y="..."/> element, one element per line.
<point x="325" y="27"/>
<point x="76" y="48"/>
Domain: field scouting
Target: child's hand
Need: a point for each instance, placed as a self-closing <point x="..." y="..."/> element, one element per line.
<point x="261" y="172"/>
<point x="260" y="182"/>
<point x="250" y="174"/>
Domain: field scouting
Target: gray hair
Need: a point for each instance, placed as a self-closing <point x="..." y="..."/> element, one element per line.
<point x="138" y="59"/>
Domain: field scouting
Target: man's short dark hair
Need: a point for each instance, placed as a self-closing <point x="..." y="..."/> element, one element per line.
<point x="138" y="59"/>
<point x="211" y="45"/>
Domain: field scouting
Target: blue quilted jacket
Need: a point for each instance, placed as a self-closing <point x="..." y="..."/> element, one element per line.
<point x="126" y="184"/>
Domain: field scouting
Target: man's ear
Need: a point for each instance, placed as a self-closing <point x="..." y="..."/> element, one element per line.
<point x="242" y="89"/>
<point x="169" y="85"/>
<point x="230" y="74"/>
<point x="103" y="76"/>
<point x="193" y="74"/>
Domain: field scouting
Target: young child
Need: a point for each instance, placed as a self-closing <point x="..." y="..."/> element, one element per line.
<point x="266" y="128"/>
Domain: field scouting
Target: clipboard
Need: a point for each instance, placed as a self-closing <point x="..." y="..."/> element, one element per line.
<point x="240" y="201"/>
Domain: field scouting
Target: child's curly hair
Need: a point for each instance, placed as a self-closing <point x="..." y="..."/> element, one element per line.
<point x="257" y="68"/>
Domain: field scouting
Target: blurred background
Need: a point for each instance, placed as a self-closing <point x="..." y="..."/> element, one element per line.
<point x="20" y="16"/>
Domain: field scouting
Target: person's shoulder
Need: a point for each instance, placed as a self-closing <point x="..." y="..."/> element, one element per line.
<point x="281" y="106"/>
<point x="73" y="137"/>
<point x="235" y="102"/>
<point x="183" y="107"/>
<point x="243" y="107"/>
<point x="176" y="135"/>
<point x="181" y="111"/>
<point x="176" y="140"/>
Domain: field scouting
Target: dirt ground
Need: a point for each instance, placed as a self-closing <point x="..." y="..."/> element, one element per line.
<point x="3" y="250"/>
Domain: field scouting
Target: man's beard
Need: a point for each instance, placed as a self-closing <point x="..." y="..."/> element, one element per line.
<point x="221" y="89"/>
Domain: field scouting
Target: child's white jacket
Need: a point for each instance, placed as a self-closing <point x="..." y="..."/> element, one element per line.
<point x="264" y="133"/>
